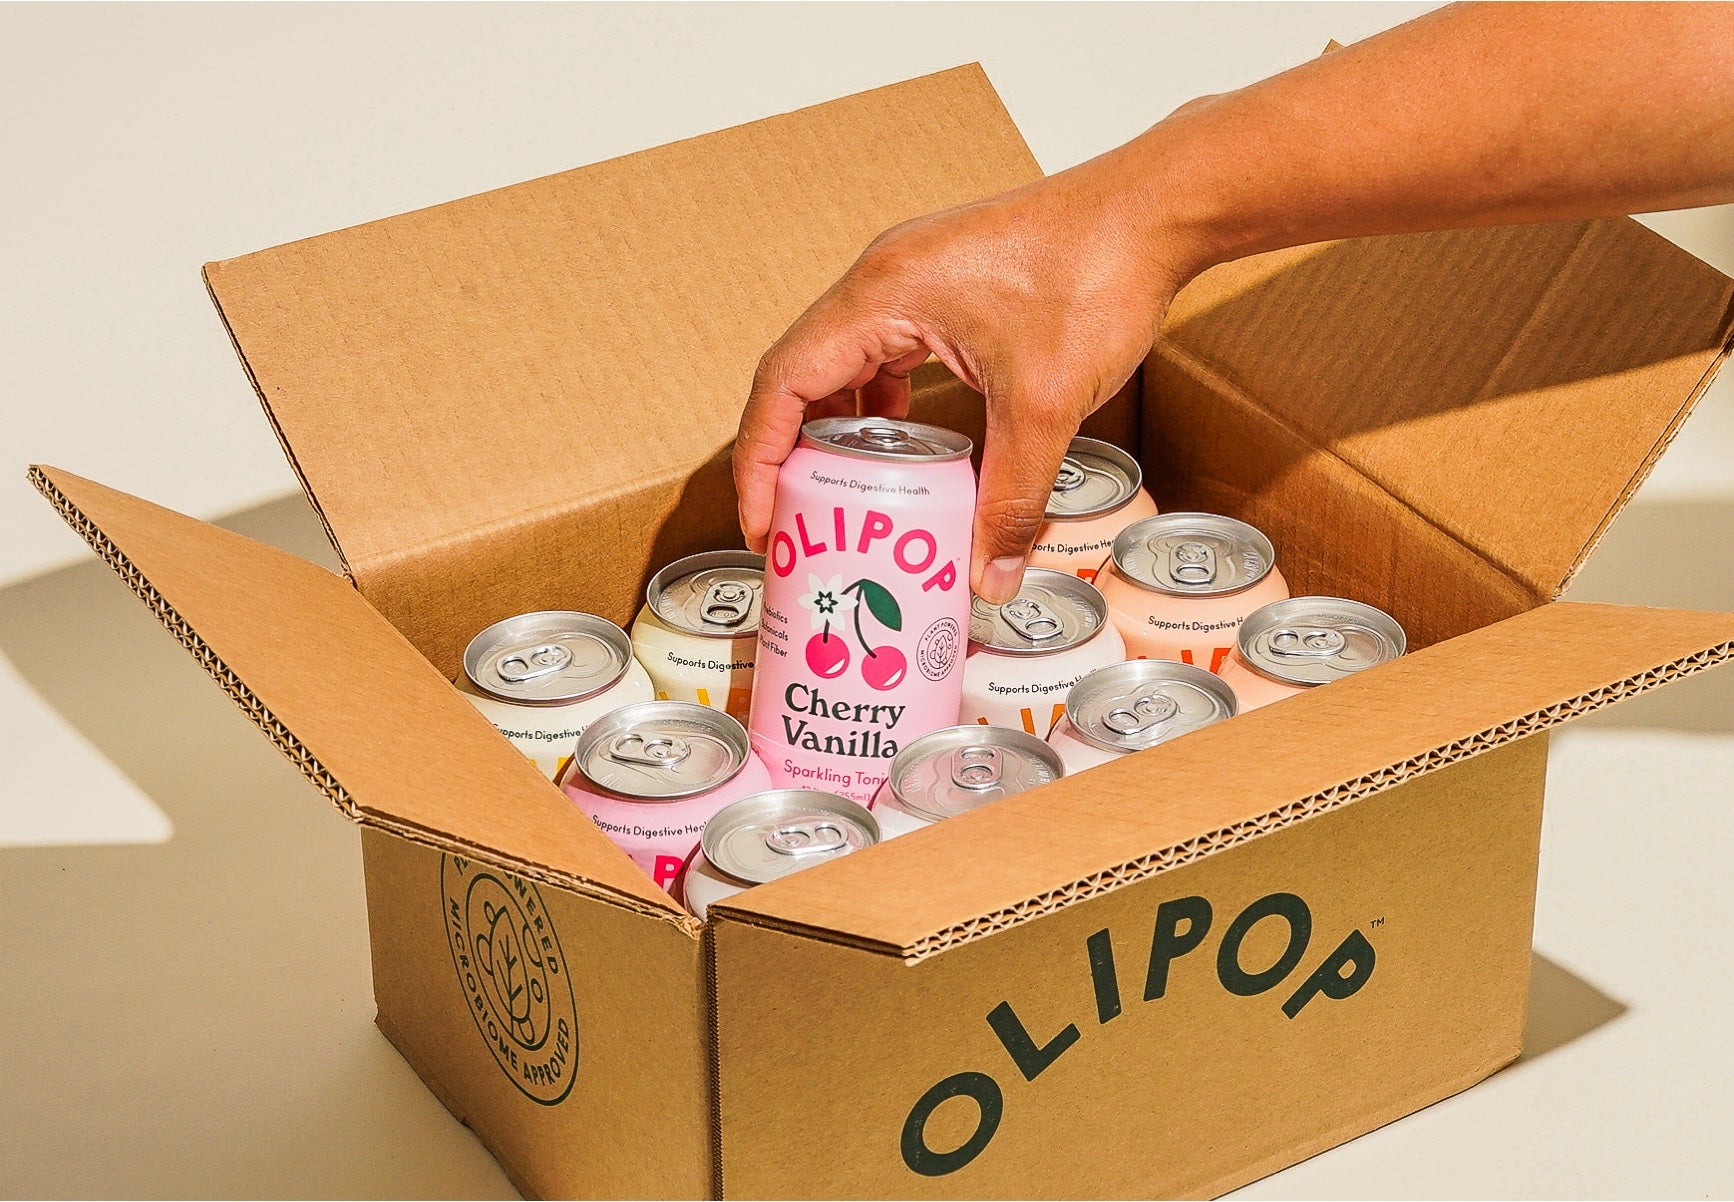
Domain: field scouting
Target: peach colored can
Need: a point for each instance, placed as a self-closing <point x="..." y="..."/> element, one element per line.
<point x="1098" y="493"/>
<point x="1179" y="585"/>
<point x="1293" y="646"/>
<point x="1129" y="707"/>
<point x="958" y="769"/>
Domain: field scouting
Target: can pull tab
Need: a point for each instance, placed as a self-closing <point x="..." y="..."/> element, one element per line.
<point x="1143" y="713"/>
<point x="1072" y="476"/>
<point x="975" y="768"/>
<point x="657" y="751"/>
<point x="1307" y="642"/>
<point x="727" y="603"/>
<point x="1031" y="619"/>
<point x="810" y="838"/>
<point x="533" y="662"/>
<point x="1192" y="562"/>
<point x="884" y="438"/>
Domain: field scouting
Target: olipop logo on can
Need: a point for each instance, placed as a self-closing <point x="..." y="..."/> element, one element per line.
<point x="698" y="632"/>
<point x="952" y="771"/>
<point x="1098" y="493"/>
<point x="1291" y="646"/>
<point x="1128" y="707"/>
<point x="1025" y="655"/>
<point x="866" y="604"/>
<point x="761" y="838"/>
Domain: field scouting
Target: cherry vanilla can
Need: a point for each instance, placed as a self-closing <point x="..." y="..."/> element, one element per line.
<point x="1179" y="585"/>
<point x="1128" y="707"/>
<point x="541" y="678"/>
<point x="866" y="604"/>
<point x="1025" y="655"/>
<point x="761" y="838"/>
<point x="952" y="771"/>
<point x="652" y="774"/>
<point x="1291" y="646"/>
<point x="1098" y="492"/>
<point x="698" y="632"/>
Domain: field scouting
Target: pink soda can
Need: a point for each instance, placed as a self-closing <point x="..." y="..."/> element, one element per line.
<point x="652" y="774"/>
<point x="1129" y="707"/>
<point x="865" y="615"/>
<point x="1098" y="492"/>
<point x="1179" y="585"/>
<point x="1291" y="646"/>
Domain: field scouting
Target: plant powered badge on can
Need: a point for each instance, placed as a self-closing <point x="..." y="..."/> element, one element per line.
<point x="1179" y="585"/>
<point x="1128" y="707"/>
<point x="1291" y="646"/>
<point x="1025" y="655"/>
<point x="1098" y="492"/>
<point x="652" y="774"/>
<point x="699" y="629"/>
<point x="760" y="838"/>
<point x="953" y="771"/>
<point x="541" y="678"/>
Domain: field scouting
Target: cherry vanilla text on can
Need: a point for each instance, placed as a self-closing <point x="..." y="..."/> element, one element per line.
<point x="767" y="836"/>
<point x="698" y="633"/>
<point x="866" y="605"/>
<point x="1128" y="707"/>
<point x="541" y="678"/>
<point x="952" y="771"/>
<point x="1098" y="492"/>
<point x="652" y="774"/>
<point x="1179" y="585"/>
<point x="1025" y="655"/>
<point x="1291" y="646"/>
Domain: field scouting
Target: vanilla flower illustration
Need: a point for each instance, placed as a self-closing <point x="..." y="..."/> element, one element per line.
<point x="825" y="601"/>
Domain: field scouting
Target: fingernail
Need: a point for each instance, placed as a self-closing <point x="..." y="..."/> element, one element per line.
<point x="1002" y="578"/>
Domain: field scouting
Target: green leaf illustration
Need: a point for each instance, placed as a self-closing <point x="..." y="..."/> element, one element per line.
<point x="880" y="602"/>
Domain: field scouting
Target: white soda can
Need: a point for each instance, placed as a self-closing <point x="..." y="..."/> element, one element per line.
<point x="541" y="678"/>
<point x="1127" y="707"/>
<point x="698" y="632"/>
<point x="1098" y="492"/>
<point x="1025" y="655"/>
<point x="1288" y="647"/>
<point x="955" y="770"/>
<point x="769" y="835"/>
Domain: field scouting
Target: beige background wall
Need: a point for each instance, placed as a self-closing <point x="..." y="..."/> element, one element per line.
<point x="184" y="956"/>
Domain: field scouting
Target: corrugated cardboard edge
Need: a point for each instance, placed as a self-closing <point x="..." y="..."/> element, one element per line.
<point x="285" y="741"/>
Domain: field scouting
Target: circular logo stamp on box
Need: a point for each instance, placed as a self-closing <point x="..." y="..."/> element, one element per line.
<point x="513" y="974"/>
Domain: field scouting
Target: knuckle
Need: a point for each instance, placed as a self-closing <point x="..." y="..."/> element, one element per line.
<point x="1014" y="522"/>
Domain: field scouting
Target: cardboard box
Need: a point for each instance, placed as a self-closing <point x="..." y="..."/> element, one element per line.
<point x="1169" y="975"/>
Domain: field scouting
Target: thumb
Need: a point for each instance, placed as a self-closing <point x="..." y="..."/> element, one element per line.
<point x="1026" y="440"/>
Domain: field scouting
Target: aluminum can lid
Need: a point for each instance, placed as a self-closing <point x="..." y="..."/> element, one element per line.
<point x="885" y="438"/>
<point x="553" y="657"/>
<point x="714" y="594"/>
<point x="1095" y="478"/>
<point x="781" y="831"/>
<point x="1315" y="640"/>
<point x="660" y="751"/>
<point x="1142" y="702"/>
<point x="1193" y="554"/>
<point x="1053" y="611"/>
<point x="958" y="768"/>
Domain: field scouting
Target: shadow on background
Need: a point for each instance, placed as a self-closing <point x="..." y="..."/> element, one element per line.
<point x="1562" y="1007"/>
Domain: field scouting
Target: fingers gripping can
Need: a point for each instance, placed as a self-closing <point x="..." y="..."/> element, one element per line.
<point x="541" y="678"/>
<point x="1179" y="585"/>
<point x="1025" y="655"/>
<point x="1098" y="493"/>
<point x="1291" y="646"/>
<point x="651" y="775"/>
<point x="698" y="632"/>
<point x="1127" y="707"/>
<point x="866" y="605"/>
<point x="760" y="838"/>
<point x="953" y="771"/>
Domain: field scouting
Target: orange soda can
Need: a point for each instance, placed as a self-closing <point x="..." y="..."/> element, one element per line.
<point x="1291" y="646"/>
<point x="1098" y="493"/>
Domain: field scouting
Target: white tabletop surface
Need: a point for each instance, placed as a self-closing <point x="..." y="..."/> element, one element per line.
<point x="183" y="955"/>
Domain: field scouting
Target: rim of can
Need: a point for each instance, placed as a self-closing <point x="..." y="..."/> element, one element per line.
<point x="1114" y="461"/>
<point x="1319" y="667"/>
<point x="1132" y="674"/>
<point x="523" y="631"/>
<point x="965" y="738"/>
<point x="1214" y="525"/>
<point x="629" y="720"/>
<point x="989" y="619"/>
<point x="692" y="565"/>
<point x="763" y="813"/>
<point x="883" y="438"/>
